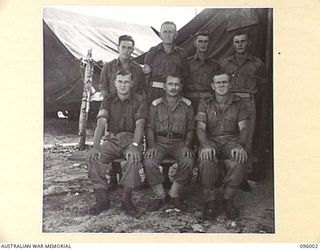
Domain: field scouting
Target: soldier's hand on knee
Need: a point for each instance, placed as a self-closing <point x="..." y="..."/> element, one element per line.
<point x="133" y="155"/>
<point x="239" y="155"/>
<point x="150" y="153"/>
<point x="187" y="152"/>
<point x="93" y="154"/>
<point x="207" y="154"/>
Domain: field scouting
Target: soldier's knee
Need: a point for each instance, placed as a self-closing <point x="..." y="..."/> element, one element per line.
<point x="207" y="165"/>
<point x="149" y="163"/>
<point x="188" y="162"/>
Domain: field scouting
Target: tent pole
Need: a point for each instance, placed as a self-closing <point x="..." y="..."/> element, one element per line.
<point x="85" y="102"/>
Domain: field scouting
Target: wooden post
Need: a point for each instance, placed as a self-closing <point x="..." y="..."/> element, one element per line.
<point x="85" y="102"/>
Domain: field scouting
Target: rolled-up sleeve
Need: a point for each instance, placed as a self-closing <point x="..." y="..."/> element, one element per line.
<point x="243" y="113"/>
<point x="141" y="112"/>
<point x="103" y="111"/>
<point x="151" y="118"/>
<point x="202" y="114"/>
<point x="104" y="78"/>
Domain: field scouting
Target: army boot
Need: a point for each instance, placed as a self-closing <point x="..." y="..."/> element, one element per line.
<point x="127" y="204"/>
<point x="155" y="204"/>
<point x="102" y="202"/>
<point x="232" y="212"/>
<point x="209" y="210"/>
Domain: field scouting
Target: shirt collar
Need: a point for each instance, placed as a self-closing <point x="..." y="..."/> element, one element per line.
<point x="115" y="98"/>
<point x="232" y="98"/>
<point x="118" y="62"/>
<point x="248" y="57"/>
<point x="160" y="48"/>
<point x="164" y="100"/>
<point x="196" y="57"/>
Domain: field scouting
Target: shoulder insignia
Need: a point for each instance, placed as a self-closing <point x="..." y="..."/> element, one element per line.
<point x="186" y="101"/>
<point x="156" y="101"/>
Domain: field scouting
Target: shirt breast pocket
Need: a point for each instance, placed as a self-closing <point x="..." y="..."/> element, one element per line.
<point x="250" y="73"/>
<point x="179" y="124"/>
<point x="162" y="123"/>
<point x="230" y="123"/>
<point x="157" y="66"/>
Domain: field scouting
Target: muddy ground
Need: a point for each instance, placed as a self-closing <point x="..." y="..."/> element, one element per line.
<point x="67" y="195"/>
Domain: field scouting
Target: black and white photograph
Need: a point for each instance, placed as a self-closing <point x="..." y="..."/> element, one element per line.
<point x="158" y="120"/>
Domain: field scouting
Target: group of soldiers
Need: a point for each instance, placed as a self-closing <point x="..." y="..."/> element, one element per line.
<point x="197" y="111"/>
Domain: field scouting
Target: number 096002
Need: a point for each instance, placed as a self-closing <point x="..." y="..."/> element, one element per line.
<point x="315" y="246"/>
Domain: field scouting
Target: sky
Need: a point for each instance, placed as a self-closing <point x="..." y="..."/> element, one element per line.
<point x="144" y="15"/>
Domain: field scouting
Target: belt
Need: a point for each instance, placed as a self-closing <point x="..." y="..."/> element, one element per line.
<point x="158" y="85"/>
<point x="244" y="95"/>
<point x="197" y="94"/>
<point x="171" y="135"/>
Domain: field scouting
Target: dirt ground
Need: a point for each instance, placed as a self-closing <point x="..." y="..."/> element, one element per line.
<point x="68" y="194"/>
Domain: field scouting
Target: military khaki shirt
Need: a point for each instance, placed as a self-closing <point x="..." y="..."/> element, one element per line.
<point x="162" y="120"/>
<point x="122" y="115"/>
<point x="248" y="77"/>
<point x="109" y="74"/>
<point x="222" y="124"/>
<point x="200" y="74"/>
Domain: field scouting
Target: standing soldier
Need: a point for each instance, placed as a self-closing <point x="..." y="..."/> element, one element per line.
<point x="123" y="62"/>
<point x="222" y="132"/>
<point x="202" y="69"/>
<point x="170" y="131"/>
<point x="162" y="59"/>
<point x="123" y="116"/>
<point x="248" y="78"/>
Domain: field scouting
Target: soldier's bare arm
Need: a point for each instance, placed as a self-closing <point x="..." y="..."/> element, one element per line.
<point x="206" y="153"/>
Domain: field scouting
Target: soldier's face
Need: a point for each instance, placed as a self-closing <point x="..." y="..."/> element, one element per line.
<point x="123" y="84"/>
<point x="240" y="43"/>
<point x="125" y="49"/>
<point x="173" y="86"/>
<point x="168" y="33"/>
<point x="221" y="84"/>
<point x="202" y="43"/>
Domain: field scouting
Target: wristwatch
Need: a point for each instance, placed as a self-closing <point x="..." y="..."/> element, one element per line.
<point x="135" y="144"/>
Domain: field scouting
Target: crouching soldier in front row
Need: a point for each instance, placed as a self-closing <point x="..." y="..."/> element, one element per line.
<point x="222" y="131"/>
<point x="123" y="116"/>
<point x="170" y="131"/>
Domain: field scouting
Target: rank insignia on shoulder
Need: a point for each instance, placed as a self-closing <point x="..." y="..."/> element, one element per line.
<point x="186" y="101"/>
<point x="156" y="101"/>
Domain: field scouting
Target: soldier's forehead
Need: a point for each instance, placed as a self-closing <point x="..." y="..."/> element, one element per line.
<point x="173" y="79"/>
<point x="240" y="37"/>
<point x="203" y="37"/>
<point x="221" y="77"/>
<point x="124" y="77"/>
<point x="168" y="26"/>
<point x="126" y="42"/>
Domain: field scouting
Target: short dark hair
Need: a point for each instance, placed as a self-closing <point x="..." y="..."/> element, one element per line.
<point x="241" y="32"/>
<point x="169" y="23"/>
<point x="221" y="72"/>
<point x="202" y="33"/>
<point x="125" y="38"/>
<point x="175" y="75"/>
<point x="124" y="72"/>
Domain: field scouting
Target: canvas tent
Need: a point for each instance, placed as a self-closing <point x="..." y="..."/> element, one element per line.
<point x="67" y="38"/>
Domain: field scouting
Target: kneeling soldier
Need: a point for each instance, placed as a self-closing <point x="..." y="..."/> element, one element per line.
<point x="123" y="116"/>
<point x="170" y="132"/>
<point x="222" y="131"/>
